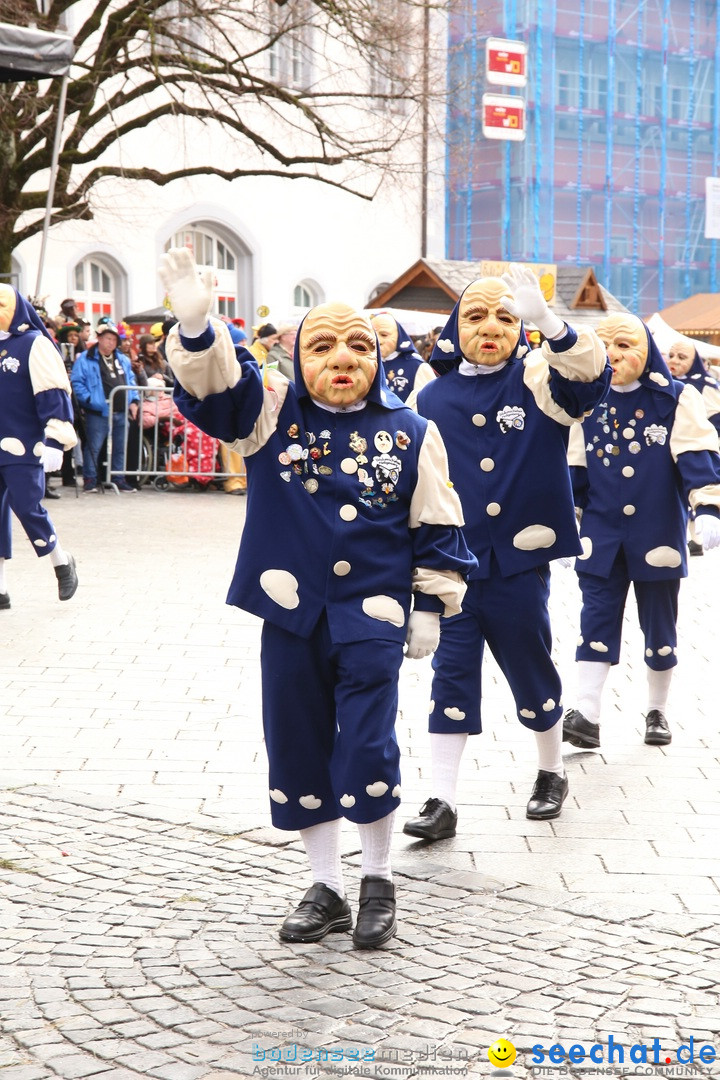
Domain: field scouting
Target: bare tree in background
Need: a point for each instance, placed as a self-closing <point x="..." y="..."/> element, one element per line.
<point x="291" y="88"/>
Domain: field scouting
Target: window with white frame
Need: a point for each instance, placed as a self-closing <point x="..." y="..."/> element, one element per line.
<point x="94" y="289"/>
<point x="290" y="54"/>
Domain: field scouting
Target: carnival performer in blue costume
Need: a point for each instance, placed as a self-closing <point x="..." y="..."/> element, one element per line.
<point x="504" y="414"/>
<point x="645" y="455"/>
<point x="405" y="370"/>
<point x="350" y="518"/>
<point x="36" y="426"/>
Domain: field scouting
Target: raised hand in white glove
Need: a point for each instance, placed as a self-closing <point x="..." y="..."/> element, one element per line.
<point x="423" y="634"/>
<point x="527" y="302"/>
<point x="51" y="458"/>
<point x="565" y="561"/>
<point x="190" y="292"/>
<point x="707" y="531"/>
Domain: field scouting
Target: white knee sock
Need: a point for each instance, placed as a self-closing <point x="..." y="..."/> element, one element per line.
<point x="322" y="844"/>
<point x="58" y="556"/>
<point x="549" y="747"/>
<point x="3" y="582"/>
<point x="659" y="688"/>
<point x="446" y="752"/>
<point x="591" y="680"/>
<point x="375" y="840"/>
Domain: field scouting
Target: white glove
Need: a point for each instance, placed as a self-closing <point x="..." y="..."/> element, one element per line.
<point x="423" y="634"/>
<point x="565" y="561"/>
<point x="528" y="303"/>
<point x="51" y="458"/>
<point x="190" y="292"/>
<point x="707" y="531"/>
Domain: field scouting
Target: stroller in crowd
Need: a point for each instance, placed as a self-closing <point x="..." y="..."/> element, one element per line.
<point x="172" y="447"/>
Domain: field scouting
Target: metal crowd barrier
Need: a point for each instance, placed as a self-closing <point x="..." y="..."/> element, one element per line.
<point x="161" y="447"/>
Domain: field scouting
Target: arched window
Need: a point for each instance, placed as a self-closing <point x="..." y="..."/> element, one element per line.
<point x="95" y="289"/>
<point x="302" y="297"/>
<point x="307" y="294"/>
<point x="214" y="254"/>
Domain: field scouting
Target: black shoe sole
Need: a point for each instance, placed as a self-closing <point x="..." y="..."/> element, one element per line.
<point x="583" y="742"/>
<point x="335" y="927"/>
<point x="378" y="941"/>
<point x="421" y="834"/>
<point x="658" y="740"/>
<point x="544" y="817"/>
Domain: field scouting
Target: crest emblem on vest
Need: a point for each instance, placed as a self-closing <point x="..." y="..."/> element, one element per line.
<point x="655" y="433"/>
<point x="511" y="416"/>
<point x="10" y="364"/>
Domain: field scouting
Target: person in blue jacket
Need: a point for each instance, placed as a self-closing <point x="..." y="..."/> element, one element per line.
<point x="95" y="374"/>
<point x="504" y="414"/>
<point x="645" y="455"/>
<point x="351" y="548"/>
<point x="405" y="370"/>
<point x="36" y="426"/>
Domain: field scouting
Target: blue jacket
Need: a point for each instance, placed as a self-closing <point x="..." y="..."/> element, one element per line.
<point x="349" y="512"/>
<point x="87" y="384"/>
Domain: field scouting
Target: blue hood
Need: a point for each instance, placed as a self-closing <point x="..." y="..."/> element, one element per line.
<point x="26" y="318"/>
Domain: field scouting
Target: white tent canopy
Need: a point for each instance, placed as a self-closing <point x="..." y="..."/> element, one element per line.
<point x="665" y="336"/>
<point x="29" y="53"/>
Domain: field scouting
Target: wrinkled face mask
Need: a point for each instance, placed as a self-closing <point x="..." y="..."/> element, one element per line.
<point x="488" y="332"/>
<point x="7" y="306"/>
<point x="386" y="330"/>
<point x="338" y="354"/>
<point x="680" y="358"/>
<point x="626" y="346"/>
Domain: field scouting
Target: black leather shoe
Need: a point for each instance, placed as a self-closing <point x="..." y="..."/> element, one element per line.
<point x="321" y="911"/>
<point x="548" y="795"/>
<point x="4" y="601"/>
<point x="67" y="579"/>
<point x="376" y="913"/>
<point x="437" y="821"/>
<point x="50" y="493"/>
<point x="579" y="731"/>
<point x="694" y="548"/>
<point x="657" y="732"/>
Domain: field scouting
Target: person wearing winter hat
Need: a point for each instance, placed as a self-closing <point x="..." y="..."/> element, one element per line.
<point x="504" y="413"/>
<point x="645" y="455"/>
<point x="37" y="426"/>
<point x="95" y="374"/>
<point x="350" y="518"/>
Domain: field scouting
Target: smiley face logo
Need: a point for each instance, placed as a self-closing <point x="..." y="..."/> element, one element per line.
<point x="502" y="1053"/>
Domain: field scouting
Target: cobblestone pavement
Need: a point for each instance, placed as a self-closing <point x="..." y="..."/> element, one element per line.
<point x="141" y="885"/>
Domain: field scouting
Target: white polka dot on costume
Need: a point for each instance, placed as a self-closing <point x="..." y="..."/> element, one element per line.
<point x="278" y="796"/>
<point x="454" y="713"/>
<point x="587" y="546"/>
<point x="548" y="705"/>
<point x="493" y="509"/>
<point x="534" y="537"/>
<point x="598" y="646"/>
<point x="348" y="512"/>
<point x="579" y="641"/>
<point x="341" y="568"/>
<point x="396" y="792"/>
<point x="310" y="802"/>
<point x="628" y="471"/>
<point x="347" y="801"/>
<point x="629" y="510"/>
<point x="38" y="449"/>
<point x="665" y="650"/>
<point x="376" y="790"/>
<point x="479" y="420"/>
<point x="12" y="446"/>
<point x="663" y="556"/>
<point x="384" y="609"/>
<point x="280" y="586"/>
<point x="487" y="464"/>
<point x="40" y="543"/>
<point x="52" y="539"/>
<point x="528" y="714"/>
<point x="349" y="465"/>
<point x="648" y="652"/>
<point x="432" y="706"/>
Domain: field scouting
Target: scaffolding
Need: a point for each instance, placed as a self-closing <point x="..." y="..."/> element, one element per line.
<point x="623" y="127"/>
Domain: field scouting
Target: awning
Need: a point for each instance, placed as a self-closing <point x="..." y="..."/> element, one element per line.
<point x="28" y="53"/>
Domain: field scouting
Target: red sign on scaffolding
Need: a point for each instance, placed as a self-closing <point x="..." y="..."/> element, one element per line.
<point x="505" y="62"/>
<point x="503" y="117"/>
